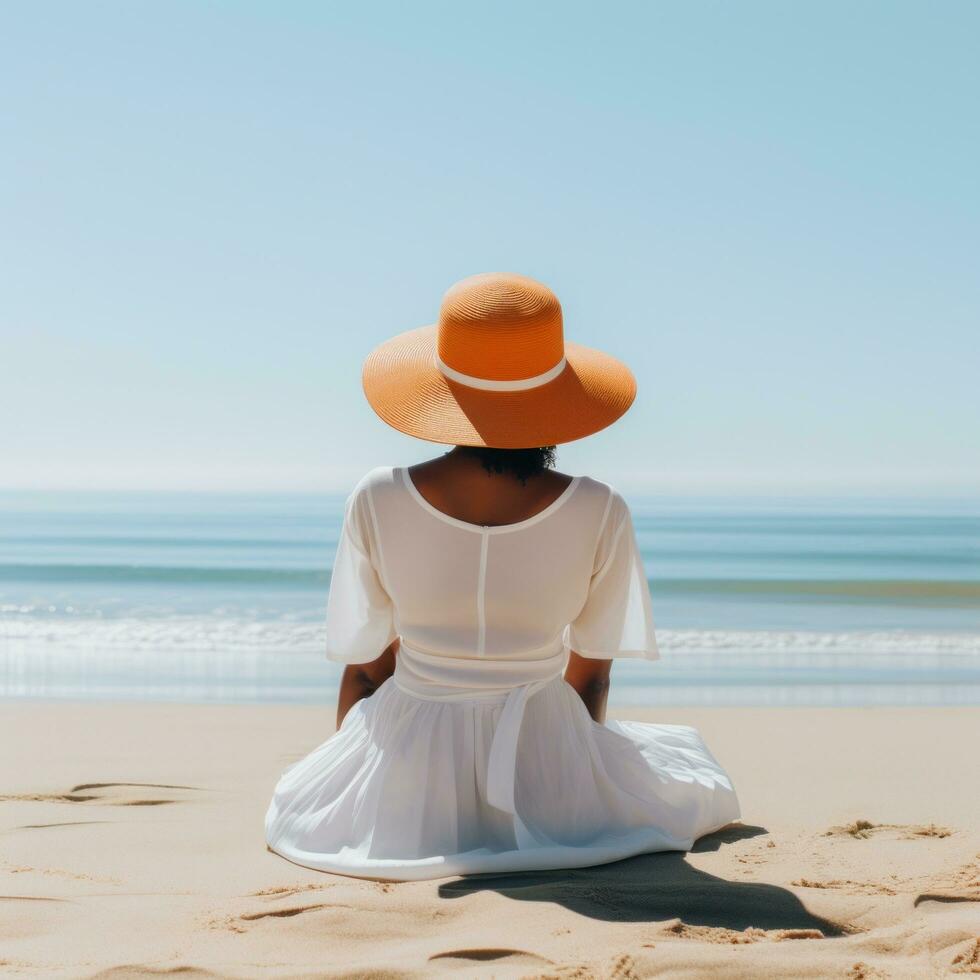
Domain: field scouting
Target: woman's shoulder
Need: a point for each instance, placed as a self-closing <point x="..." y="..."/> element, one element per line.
<point x="602" y="500"/>
<point x="373" y="486"/>
<point x="374" y="478"/>
<point x="601" y="490"/>
<point x="367" y="497"/>
<point x="613" y="516"/>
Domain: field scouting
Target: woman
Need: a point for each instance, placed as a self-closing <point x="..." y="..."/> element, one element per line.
<point x="477" y="601"/>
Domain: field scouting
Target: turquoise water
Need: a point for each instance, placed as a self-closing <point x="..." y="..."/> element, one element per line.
<point x="221" y="597"/>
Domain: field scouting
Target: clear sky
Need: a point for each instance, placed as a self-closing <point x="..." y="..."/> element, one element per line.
<point x="210" y="212"/>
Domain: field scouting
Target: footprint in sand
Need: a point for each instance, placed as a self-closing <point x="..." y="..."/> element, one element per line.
<point x="862" y="971"/>
<point x="47" y="915"/>
<point x="489" y="954"/>
<point x="114" y="794"/>
<point x="944" y="898"/>
<point x="960" y="885"/>
<point x="968" y="961"/>
<point x="864" y="829"/>
<point x="31" y="898"/>
<point x="847" y="886"/>
<point x="721" y="935"/>
<point x="239" y="923"/>
<point x="15" y="869"/>
<point x="287" y="913"/>
<point x="624" y="968"/>
<point x="285" y="891"/>
<point x="243" y="920"/>
<point x="62" y="823"/>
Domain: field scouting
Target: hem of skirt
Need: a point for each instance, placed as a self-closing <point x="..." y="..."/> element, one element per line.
<point x="554" y="858"/>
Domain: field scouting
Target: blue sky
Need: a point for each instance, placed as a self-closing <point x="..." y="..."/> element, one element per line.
<point x="211" y="212"/>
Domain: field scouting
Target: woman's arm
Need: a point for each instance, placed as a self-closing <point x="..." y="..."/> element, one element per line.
<point x="362" y="680"/>
<point x="590" y="678"/>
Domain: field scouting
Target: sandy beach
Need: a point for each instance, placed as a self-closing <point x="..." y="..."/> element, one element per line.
<point x="133" y="845"/>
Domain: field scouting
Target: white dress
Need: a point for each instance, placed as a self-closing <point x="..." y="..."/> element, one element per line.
<point x="476" y="755"/>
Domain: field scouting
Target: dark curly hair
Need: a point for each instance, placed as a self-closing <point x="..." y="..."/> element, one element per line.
<point x="522" y="463"/>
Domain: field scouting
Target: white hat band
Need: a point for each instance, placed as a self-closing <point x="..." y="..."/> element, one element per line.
<point x="487" y="384"/>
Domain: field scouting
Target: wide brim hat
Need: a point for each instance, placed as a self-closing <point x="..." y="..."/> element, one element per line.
<point x="496" y="370"/>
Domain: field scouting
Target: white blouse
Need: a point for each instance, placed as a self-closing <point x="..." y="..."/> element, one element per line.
<point x="569" y="577"/>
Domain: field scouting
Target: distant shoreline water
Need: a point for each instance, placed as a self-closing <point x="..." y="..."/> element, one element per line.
<point x="221" y="597"/>
<point x="940" y="592"/>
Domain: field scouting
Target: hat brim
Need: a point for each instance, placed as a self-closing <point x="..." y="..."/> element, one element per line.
<point x="407" y="390"/>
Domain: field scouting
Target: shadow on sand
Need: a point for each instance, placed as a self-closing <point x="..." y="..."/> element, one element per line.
<point x="656" y="887"/>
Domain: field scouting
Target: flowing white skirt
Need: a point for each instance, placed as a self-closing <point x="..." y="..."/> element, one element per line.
<point x="399" y="792"/>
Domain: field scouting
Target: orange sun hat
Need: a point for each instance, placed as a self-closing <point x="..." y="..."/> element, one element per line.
<point x="496" y="371"/>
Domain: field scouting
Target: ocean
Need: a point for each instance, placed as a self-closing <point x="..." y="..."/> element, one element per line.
<point x="220" y="597"/>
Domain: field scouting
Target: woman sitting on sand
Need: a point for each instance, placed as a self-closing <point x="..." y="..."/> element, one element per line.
<point x="478" y="600"/>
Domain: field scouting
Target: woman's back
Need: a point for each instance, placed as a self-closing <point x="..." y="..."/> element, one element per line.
<point x="453" y="588"/>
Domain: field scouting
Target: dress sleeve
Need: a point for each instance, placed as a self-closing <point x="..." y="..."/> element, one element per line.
<point x="616" y="619"/>
<point x="360" y="613"/>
